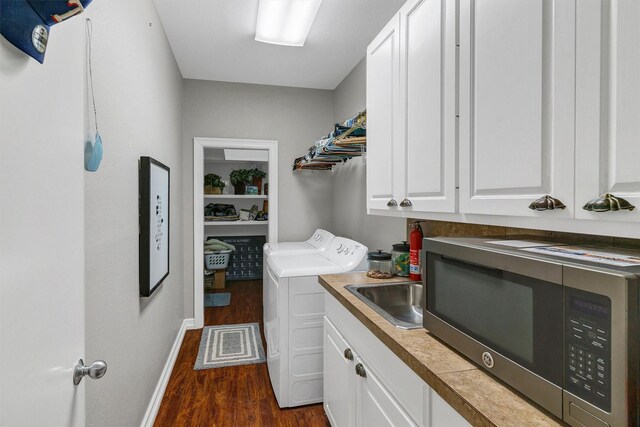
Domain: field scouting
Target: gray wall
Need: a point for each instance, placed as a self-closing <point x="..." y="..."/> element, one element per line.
<point x="294" y="117"/>
<point x="139" y="99"/>
<point x="349" y="202"/>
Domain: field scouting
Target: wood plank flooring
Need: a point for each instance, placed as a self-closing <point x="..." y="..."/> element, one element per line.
<point x="232" y="396"/>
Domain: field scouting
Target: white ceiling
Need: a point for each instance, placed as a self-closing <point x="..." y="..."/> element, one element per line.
<point x="214" y="40"/>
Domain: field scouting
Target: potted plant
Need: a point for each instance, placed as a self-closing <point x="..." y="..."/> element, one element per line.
<point x="256" y="176"/>
<point x="239" y="178"/>
<point x="213" y="184"/>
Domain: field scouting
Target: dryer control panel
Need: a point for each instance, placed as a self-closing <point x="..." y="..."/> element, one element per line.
<point x="347" y="253"/>
<point x="321" y="239"/>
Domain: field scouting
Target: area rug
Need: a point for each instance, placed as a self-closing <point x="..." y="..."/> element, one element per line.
<point x="217" y="300"/>
<point x="230" y="345"/>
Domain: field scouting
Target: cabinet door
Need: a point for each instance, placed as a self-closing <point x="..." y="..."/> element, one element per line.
<point x="608" y="105"/>
<point x="517" y="78"/>
<point x="443" y="414"/>
<point x="374" y="405"/>
<point x="385" y="157"/>
<point x="339" y="378"/>
<point x="427" y="102"/>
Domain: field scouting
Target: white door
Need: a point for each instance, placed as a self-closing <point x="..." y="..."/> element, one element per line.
<point x="385" y="150"/>
<point x="428" y="104"/>
<point x="608" y="105"/>
<point x="339" y="377"/>
<point x="517" y="78"/>
<point x="375" y="406"/>
<point x="42" y="232"/>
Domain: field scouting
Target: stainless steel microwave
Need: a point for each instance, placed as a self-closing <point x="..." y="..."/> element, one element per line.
<point x="558" y="323"/>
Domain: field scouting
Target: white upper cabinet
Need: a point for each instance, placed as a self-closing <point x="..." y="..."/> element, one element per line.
<point x="517" y="66"/>
<point x="427" y="87"/>
<point x="384" y="159"/>
<point x="411" y="124"/>
<point x="608" y="105"/>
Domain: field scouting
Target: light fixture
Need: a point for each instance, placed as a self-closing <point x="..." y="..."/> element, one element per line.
<point x="246" y="155"/>
<point x="285" y="22"/>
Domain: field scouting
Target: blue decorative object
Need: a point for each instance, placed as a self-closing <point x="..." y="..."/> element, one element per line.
<point x="92" y="150"/>
<point x="93" y="154"/>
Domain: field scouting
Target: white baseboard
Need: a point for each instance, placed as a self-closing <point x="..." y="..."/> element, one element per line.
<point x="158" y="393"/>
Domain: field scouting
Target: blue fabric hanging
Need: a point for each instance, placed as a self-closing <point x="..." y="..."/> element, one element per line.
<point x="92" y="149"/>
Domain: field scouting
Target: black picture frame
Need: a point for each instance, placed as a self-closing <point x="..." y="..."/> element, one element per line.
<point x="154" y="189"/>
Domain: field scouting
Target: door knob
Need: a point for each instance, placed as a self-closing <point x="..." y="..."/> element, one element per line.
<point x="405" y="203"/>
<point x="95" y="371"/>
<point x="361" y="371"/>
<point x="348" y="354"/>
<point x="391" y="203"/>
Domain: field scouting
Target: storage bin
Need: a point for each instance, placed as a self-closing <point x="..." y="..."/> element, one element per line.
<point x="217" y="260"/>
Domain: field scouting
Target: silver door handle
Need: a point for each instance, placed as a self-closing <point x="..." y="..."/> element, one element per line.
<point x="405" y="203"/>
<point x="95" y="371"/>
<point x="360" y="371"/>
<point x="391" y="203"/>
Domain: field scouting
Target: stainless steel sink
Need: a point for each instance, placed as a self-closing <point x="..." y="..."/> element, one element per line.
<point x="399" y="303"/>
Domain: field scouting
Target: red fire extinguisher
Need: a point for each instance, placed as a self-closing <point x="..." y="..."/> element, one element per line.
<point x="415" y="245"/>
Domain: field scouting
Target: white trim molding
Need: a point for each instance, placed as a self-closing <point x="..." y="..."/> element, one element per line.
<point x="156" y="399"/>
<point x="199" y="145"/>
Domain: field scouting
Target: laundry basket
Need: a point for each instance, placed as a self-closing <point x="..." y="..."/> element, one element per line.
<point x="217" y="260"/>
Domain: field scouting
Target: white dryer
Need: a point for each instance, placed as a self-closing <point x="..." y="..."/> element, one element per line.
<point x="293" y="317"/>
<point x="319" y="240"/>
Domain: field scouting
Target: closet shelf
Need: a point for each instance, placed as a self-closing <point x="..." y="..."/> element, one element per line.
<point x="235" y="196"/>
<point x="238" y="222"/>
<point x="348" y="140"/>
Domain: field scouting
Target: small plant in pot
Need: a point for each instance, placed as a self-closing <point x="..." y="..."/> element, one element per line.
<point x="239" y="179"/>
<point x="256" y="176"/>
<point x="213" y="184"/>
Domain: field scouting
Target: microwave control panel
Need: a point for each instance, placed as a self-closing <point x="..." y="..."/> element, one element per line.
<point x="587" y="371"/>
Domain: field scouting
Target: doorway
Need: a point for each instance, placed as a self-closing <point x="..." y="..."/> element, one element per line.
<point x="245" y="151"/>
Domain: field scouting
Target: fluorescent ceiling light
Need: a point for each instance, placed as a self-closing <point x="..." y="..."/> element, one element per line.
<point x="246" y="155"/>
<point x="285" y="22"/>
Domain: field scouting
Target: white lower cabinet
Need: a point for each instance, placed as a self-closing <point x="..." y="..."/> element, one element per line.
<point x="375" y="406"/>
<point x="339" y="378"/>
<point x="366" y="384"/>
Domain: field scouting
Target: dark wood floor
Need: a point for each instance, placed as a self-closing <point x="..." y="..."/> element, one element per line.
<point x="232" y="396"/>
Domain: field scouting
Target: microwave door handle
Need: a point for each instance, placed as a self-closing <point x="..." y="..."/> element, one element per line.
<point x="460" y="262"/>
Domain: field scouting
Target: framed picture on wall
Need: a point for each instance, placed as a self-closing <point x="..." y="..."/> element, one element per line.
<point x="154" y="224"/>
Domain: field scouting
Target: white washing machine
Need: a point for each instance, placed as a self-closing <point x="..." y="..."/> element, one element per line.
<point x="293" y="317"/>
<point x="319" y="240"/>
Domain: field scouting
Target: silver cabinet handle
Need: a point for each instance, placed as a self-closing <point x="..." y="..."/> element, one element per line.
<point x="546" y="203"/>
<point x="405" y="203"/>
<point x="361" y="371"/>
<point x="348" y="354"/>
<point x="95" y="371"/>
<point x="391" y="203"/>
<point x="608" y="202"/>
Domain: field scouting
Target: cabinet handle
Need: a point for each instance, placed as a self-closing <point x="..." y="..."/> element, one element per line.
<point x="608" y="202"/>
<point x="391" y="203"/>
<point x="348" y="354"/>
<point x="361" y="371"/>
<point x="405" y="203"/>
<point x="546" y="203"/>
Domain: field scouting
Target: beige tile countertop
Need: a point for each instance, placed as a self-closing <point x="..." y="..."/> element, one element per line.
<point x="477" y="396"/>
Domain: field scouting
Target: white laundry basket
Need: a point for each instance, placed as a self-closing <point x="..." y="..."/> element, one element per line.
<point x="217" y="260"/>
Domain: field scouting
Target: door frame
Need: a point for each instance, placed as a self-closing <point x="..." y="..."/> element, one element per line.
<point x="199" y="145"/>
